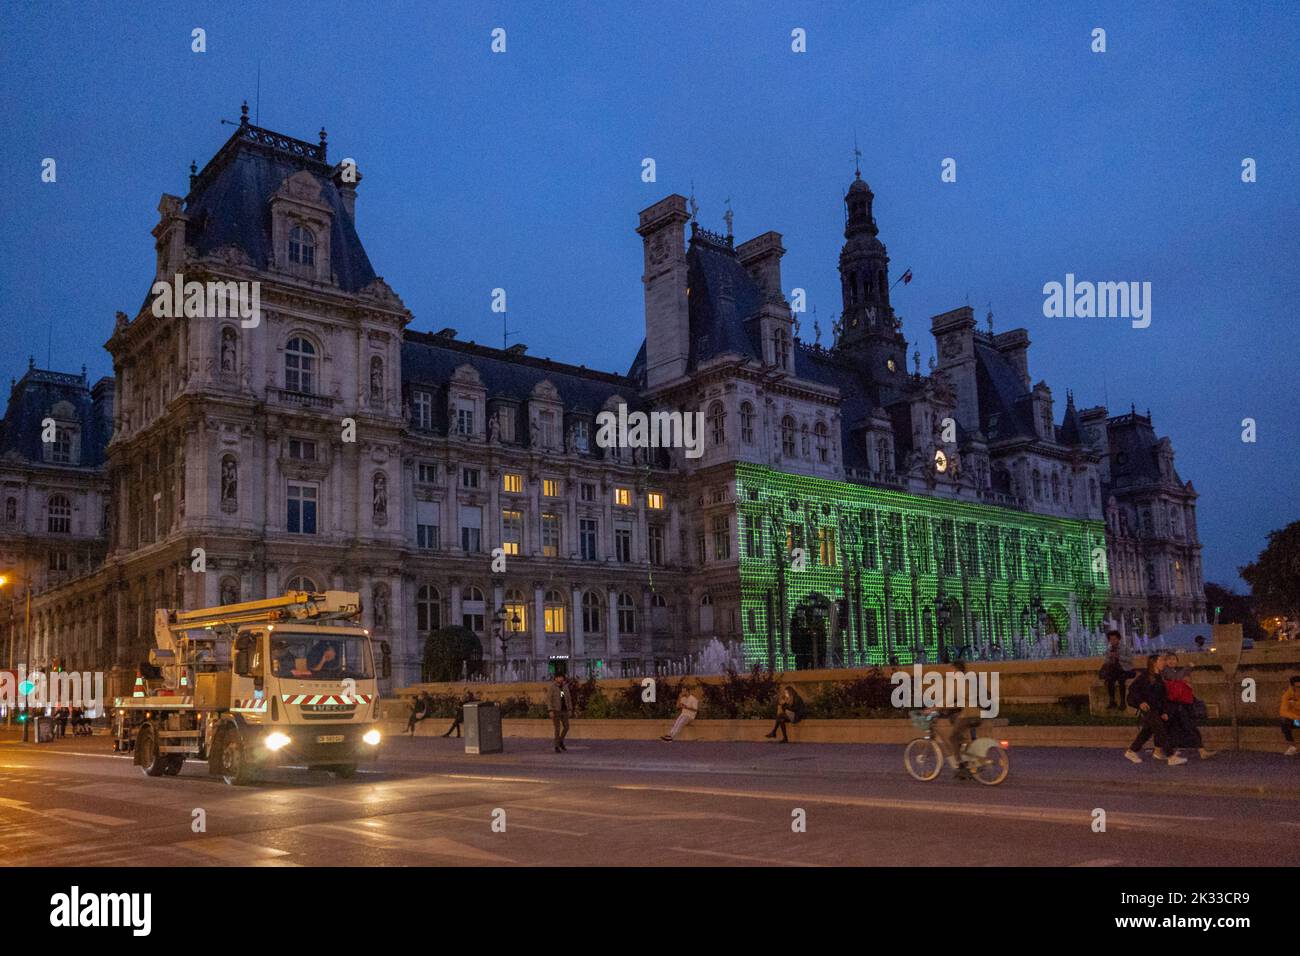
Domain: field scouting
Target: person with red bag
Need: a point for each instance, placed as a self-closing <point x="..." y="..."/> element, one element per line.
<point x="1183" y="731"/>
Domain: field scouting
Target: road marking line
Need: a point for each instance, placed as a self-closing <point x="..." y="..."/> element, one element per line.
<point x="231" y="850"/>
<point x="736" y="856"/>
<point x="472" y="776"/>
<point x="84" y="816"/>
<point x="434" y="846"/>
<point x="1037" y="814"/>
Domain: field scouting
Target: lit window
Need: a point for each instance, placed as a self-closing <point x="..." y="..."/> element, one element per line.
<point x="826" y="546"/>
<point x="516" y="611"/>
<point x="511" y="483"/>
<point x="553" y="611"/>
<point x="623" y="497"/>
<point x="550" y="536"/>
<point x="655" y="500"/>
<point x="512" y="531"/>
<point x="551" y="488"/>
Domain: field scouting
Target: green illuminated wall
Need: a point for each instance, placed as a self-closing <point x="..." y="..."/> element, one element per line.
<point x="1001" y="576"/>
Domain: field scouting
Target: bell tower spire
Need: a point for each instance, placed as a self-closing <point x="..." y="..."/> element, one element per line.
<point x="868" y="321"/>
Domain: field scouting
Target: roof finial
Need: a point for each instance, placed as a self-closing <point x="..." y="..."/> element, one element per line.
<point x="989" y="318"/>
<point x="728" y="217"/>
<point x="857" y="157"/>
<point x="695" y="207"/>
<point x="322" y="136"/>
<point x="243" y="114"/>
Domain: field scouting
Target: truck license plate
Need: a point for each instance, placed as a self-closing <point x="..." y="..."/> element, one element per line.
<point x="330" y="739"/>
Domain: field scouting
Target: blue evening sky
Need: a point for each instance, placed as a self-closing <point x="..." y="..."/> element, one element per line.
<point x="522" y="170"/>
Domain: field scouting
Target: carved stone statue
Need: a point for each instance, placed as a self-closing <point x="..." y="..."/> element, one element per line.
<point x="376" y="382"/>
<point x="381" y="606"/>
<point x="229" y="480"/>
<point x="381" y="496"/>
<point x="227" y="351"/>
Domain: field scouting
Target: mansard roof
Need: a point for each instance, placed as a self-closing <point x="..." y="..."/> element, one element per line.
<point x="722" y="296"/>
<point x="1134" y="450"/>
<point x="229" y="201"/>
<point x="35" y="396"/>
<point x="429" y="360"/>
<point x="1004" y="402"/>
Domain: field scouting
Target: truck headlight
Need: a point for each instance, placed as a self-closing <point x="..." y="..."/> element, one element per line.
<point x="372" y="737"/>
<point x="276" y="740"/>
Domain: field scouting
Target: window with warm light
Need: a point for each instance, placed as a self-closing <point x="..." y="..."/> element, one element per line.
<point x="512" y="484"/>
<point x="512" y="531"/>
<point x="623" y="497"/>
<point x="551" y="488"/>
<point x="655" y="501"/>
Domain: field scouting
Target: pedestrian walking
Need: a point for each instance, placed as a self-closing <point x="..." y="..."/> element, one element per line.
<point x="1147" y="695"/>
<point x="1289" y="713"/>
<point x="689" y="706"/>
<point x="559" y="702"/>
<point x="420" y="708"/>
<point x="1116" y="670"/>
<point x="466" y="698"/>
<point x="61" y="722"/>
<point x="1183" y="729"/>
<point x="789" y="710"/>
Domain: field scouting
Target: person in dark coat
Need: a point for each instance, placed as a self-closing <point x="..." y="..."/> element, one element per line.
<point x="559" y="704"/>
<point x="789" y="710"/>
<point x="1148" y="695"/>
<point x="466" y="698"/>
<point x="421" y="707"/>
<point x="1116" y="671"/>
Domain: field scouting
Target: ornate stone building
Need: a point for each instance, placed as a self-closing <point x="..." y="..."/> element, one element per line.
<point x="322" y="444"/>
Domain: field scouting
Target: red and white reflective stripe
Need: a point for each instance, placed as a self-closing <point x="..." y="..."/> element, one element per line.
<point x="311" y="699"/>
<point x="250" y="704"/>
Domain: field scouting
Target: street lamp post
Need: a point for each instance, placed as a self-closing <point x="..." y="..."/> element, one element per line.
<point x="27" y="627"/>
<point x="498" y="638"/>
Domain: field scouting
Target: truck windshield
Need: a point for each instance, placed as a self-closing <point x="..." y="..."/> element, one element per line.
<point x="320" y="657"/>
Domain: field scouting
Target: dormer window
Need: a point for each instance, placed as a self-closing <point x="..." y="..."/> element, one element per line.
<point x="302" y="246"/>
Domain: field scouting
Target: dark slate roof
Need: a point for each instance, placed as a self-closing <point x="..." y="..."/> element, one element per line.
<point x="1070" y="433"/>
<point x="722" y="296"/>
<point x="33" y="397"/>
<point x="1133" y="441"/>
<point x="429" y="360"/>
<point x="1004" y="402"/>
<point x="229" y="202"/>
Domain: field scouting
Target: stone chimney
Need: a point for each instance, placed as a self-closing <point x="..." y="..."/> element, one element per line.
<point x="667" y="324"/>
<point x="1015" y="346"/>
<point x="761" y="257"/>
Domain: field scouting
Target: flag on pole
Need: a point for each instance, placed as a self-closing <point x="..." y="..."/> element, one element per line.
<point x="907" y="277"/>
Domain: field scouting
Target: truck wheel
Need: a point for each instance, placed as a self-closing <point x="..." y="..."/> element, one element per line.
<point x="151" y="761"/>
<point x="234" y="762"/>
<point x="343" y="771"/>
<point x="174" y="764"/>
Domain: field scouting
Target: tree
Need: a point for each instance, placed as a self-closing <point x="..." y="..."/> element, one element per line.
<point x="1234" y="609"/>
<point x="451" y="654"/>
<point x="1274" y="576"/>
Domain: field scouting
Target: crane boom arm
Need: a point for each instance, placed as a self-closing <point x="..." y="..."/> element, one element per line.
<point x="293" y="605"/>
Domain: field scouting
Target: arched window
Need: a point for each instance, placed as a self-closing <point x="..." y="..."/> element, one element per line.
<point x="516" y="609"/>
<point x="300" y="365"/>
<point x="706" y="615"/>
<point x="823" y="442"/>
<point x="59" y="515"/>
<point x="626" y="614"/>
<point x="473" y="610"/>
<point x="302" y="246"/>
<point x="718" y="423"/>
<point x="591" y="606"/>
<point x="301" y="582"/>
<point x="553" y="607"/>
<point x="428" y="609"/>
<point x="747" y="423"/>
<point x="1038" y="485"/>
<point x="787" y="436"/>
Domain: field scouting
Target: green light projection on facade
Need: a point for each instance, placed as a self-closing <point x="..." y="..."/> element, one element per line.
<point x="923" y="577"/>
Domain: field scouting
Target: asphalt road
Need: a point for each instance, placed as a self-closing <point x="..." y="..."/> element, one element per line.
<point x="426" y="803"/>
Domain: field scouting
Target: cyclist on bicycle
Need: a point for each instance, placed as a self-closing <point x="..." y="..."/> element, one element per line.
<point x="957" y="727"/>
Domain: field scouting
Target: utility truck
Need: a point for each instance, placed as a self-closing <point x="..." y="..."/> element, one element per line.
<point x="288" y="680"/>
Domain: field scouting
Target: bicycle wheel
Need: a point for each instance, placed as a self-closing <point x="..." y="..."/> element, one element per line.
<point x="993" y="767"/>
<point x="923" y="759"/>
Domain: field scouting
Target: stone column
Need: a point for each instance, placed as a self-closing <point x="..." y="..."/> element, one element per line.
<point x="611" y="641"/>
<point x="579" y="640"/>
<point x="539" y="624"/>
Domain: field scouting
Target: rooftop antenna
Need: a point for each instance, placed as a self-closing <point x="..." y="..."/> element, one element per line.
<point x="505" y="333"/>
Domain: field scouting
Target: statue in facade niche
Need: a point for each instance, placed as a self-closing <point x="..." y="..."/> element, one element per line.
<point x="229" y="480"/>
<point x="381" y="606"/>
<point x="381" y="496"/>
<point x="376" y="383"/>
<point x="227" y="351"/>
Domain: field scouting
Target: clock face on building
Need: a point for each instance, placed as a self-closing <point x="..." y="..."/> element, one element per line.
<point x="889" y="364"/>
<point x="940" y="461"/>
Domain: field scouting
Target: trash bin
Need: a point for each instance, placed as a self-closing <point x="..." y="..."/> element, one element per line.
<point x="44" y="729"/>
<point x="482" y="728"/>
